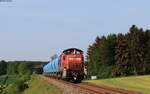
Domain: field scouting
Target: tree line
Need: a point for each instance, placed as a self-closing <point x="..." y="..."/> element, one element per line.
<point x="120" y="54"/>
<point x="20" y="67"/>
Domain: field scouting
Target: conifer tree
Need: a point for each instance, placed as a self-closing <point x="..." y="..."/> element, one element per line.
<point x="137" y="43"/>
<point x="122" y="56"/>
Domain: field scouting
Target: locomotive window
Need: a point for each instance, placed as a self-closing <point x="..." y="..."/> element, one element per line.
<point x="78" y="52"/>
<point x="68" y="52"/>
<point x="72" y="51"/>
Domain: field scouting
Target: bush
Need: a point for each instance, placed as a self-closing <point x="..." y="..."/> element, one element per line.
<point x="18" y="87"/>
<point x="13" y="68"/>
<point x="24" y="68"/>
<point x="25" y="78"/>
<point x="3" y="67"/>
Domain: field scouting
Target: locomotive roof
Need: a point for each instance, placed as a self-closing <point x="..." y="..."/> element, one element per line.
<point x="72" y="49"/>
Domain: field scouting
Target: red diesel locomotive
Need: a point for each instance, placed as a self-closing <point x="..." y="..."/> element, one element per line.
<point x="69" y="65"/>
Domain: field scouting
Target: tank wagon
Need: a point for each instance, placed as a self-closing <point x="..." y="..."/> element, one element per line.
<point x="69" y="66"/>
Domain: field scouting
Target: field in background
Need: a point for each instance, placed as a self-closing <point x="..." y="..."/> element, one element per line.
<point x="136" y="83"/>
<point x="8" y="79"/>
<point x="39" y="86"/>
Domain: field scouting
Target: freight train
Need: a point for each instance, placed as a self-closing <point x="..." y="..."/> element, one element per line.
<point x="68" y="66"/>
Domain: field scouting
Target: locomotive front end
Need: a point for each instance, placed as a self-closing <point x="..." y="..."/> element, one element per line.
<point x="73" y="64"/>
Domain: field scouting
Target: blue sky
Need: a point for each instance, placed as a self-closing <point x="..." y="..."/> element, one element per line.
<point x="37" y="29"/>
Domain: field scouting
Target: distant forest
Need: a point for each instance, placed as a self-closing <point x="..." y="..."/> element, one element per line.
<point x="120" y="54"/>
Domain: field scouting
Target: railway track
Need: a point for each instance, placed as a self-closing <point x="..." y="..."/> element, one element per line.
<point x="86" y="88"/>
<point x="106" y="89"/>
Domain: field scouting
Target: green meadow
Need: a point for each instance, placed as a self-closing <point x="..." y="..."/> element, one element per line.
<point x="136" y="83"/>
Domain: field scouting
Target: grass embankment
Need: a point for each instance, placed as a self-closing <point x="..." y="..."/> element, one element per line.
<point x="136" y="83"/>
<point x="39" y="86"/>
